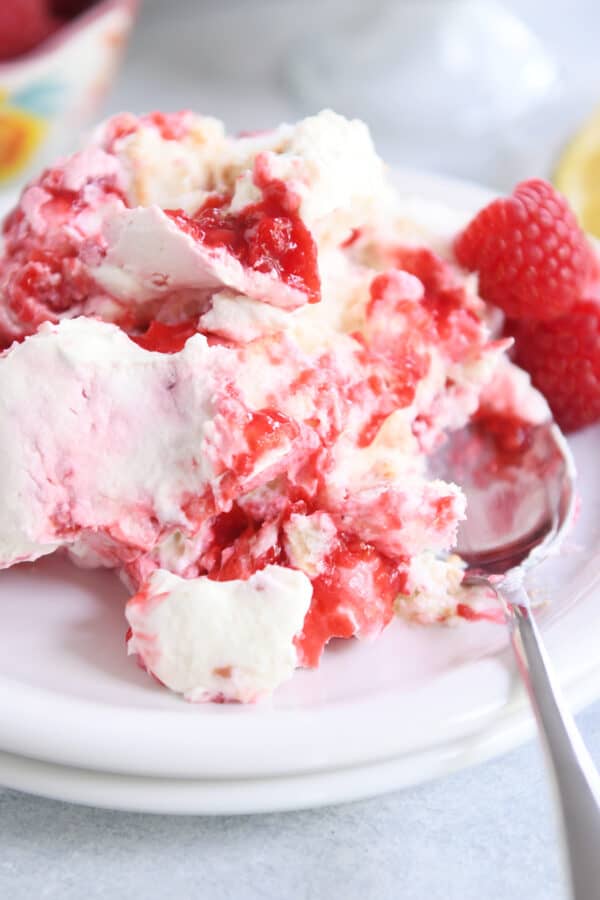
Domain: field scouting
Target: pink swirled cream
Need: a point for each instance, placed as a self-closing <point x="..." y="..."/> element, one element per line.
<point x="227" y="362"/>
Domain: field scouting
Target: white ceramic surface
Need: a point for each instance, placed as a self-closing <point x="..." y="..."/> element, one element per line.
<point x="416" y="703"/>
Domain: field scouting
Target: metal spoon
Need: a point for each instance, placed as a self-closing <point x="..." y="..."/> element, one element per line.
<point x="520" y="503"/>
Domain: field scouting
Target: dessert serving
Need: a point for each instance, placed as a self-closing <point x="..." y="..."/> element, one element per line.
<point x="228" y="363"/>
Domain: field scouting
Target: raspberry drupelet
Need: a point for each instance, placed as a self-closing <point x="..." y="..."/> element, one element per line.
<point x="532" y="258"/>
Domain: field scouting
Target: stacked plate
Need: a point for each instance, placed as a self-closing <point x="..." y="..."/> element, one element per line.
<point x="79" y="721"/>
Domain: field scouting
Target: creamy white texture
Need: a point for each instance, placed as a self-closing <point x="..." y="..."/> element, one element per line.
<point x="328" y="162"/>
<point x="433" y="589"/>
<point x="420" y="221"/>
<point x="136" y="256"/>
<point x="242" y="319"/>
<point x="400" y="516"/>
<point x="86" y="172"/>
<point x="175" y="174"/>
<point x="309" y="539"/>
<point x="149" y="256"/>
<point x="230" y="639"/>
<point x="90" y="165"/>
<point x="136" y="459"/>
<point x="509" y="392"/>
<point x="96" y="431"/>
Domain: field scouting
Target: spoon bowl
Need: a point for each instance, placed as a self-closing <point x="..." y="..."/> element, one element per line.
<point x="520" y="500"/>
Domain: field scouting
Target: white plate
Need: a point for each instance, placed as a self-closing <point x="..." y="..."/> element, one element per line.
<point x="415" y="703"/>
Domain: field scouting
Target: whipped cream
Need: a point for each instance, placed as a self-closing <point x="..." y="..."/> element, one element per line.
<point x="232" y="640"/>
<point x="79" y="408"/>
<point x="234" y="357"/>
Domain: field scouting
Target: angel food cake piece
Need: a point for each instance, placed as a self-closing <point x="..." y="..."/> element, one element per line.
<point x="232" y="359"/>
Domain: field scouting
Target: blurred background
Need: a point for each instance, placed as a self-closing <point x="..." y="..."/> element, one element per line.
<point x="476" y="88"/>
<point x="485" y="90"/>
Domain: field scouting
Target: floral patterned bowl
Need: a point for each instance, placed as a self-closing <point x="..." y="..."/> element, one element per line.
<point x="48" y="95"/>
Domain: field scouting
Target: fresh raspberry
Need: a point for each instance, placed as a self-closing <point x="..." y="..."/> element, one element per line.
<point x="532" y="258"/>
<point x="563" y="358"/>
<point x="23" y="25"/>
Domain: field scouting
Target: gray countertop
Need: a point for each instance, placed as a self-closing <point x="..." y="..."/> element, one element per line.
<point x="483" y="833"/>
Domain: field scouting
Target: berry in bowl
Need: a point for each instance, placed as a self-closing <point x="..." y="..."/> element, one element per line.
<point x="57" y="59"/>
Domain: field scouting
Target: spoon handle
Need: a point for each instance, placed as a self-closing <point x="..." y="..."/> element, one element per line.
<point x="576" y="778"/>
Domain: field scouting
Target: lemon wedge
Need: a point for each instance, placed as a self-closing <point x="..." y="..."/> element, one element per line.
<point x="577" y="174"/>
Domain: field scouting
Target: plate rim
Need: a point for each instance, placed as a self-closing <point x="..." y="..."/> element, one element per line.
<point x="254" y="796"/>
<point x="42" y="742"/>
